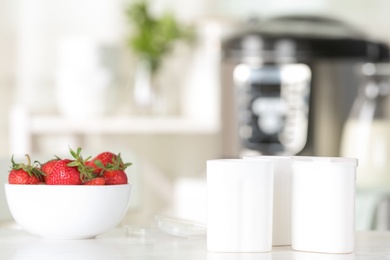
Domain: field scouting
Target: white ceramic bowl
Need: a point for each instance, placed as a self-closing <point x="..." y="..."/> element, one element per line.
<point x="68" y="211"/>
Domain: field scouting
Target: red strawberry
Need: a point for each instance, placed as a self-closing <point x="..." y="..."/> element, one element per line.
<point x="115" y="177"/>
<point x="25" y="174"/>
<point x="106" y="160"/>
<point x="102" y="159"/>
<point x="70" y="172"/>
<point x="47" y="167"/>
<point x="64" y="174"/>
<point x="22" y="177"/>
<point x="96" y="181"/>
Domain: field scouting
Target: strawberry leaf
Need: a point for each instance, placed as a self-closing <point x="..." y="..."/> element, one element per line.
<point x="86" y="172"/>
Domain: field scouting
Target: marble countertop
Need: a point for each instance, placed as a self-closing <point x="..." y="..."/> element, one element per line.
<point x="148" y="243"/>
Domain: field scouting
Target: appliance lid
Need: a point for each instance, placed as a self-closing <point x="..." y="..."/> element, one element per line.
<point x="304" y="37"/>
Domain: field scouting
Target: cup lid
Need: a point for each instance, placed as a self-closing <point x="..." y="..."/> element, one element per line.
<point x="338" y="160"/>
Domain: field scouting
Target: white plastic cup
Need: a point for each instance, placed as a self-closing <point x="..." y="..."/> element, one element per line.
<point x="323" y="204"/>
<point x="239" y="205"/>
<point x="281" y="230"/>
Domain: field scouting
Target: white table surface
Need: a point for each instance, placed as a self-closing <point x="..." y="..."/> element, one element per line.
<point x="123" y="243"/>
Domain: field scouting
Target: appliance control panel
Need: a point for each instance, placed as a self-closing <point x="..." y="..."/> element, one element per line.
<point x="273" y="107"/>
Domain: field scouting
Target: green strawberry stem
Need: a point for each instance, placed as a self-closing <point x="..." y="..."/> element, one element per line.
<point x="86" y="172"/>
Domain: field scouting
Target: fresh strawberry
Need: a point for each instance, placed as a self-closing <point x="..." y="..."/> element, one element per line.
<point x="115" y="177"/>
<point x="111" y="167"/>
<point x="47" y="167"/>
<point x="70" y="172"/>
<point x="25" y="174"/>
<point x="96" y="181"/>
<point x="106" y="160"/>
<point x="63" y="174"/>
<point x="22" y="177"/>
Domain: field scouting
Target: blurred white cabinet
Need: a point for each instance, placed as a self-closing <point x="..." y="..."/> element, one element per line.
<point x="25" y="127"/>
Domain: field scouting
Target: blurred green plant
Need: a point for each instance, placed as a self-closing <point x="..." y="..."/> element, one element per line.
<point x="153" y="37"/>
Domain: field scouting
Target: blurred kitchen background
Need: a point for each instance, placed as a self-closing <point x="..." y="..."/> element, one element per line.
<point x="68" y="77"/>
